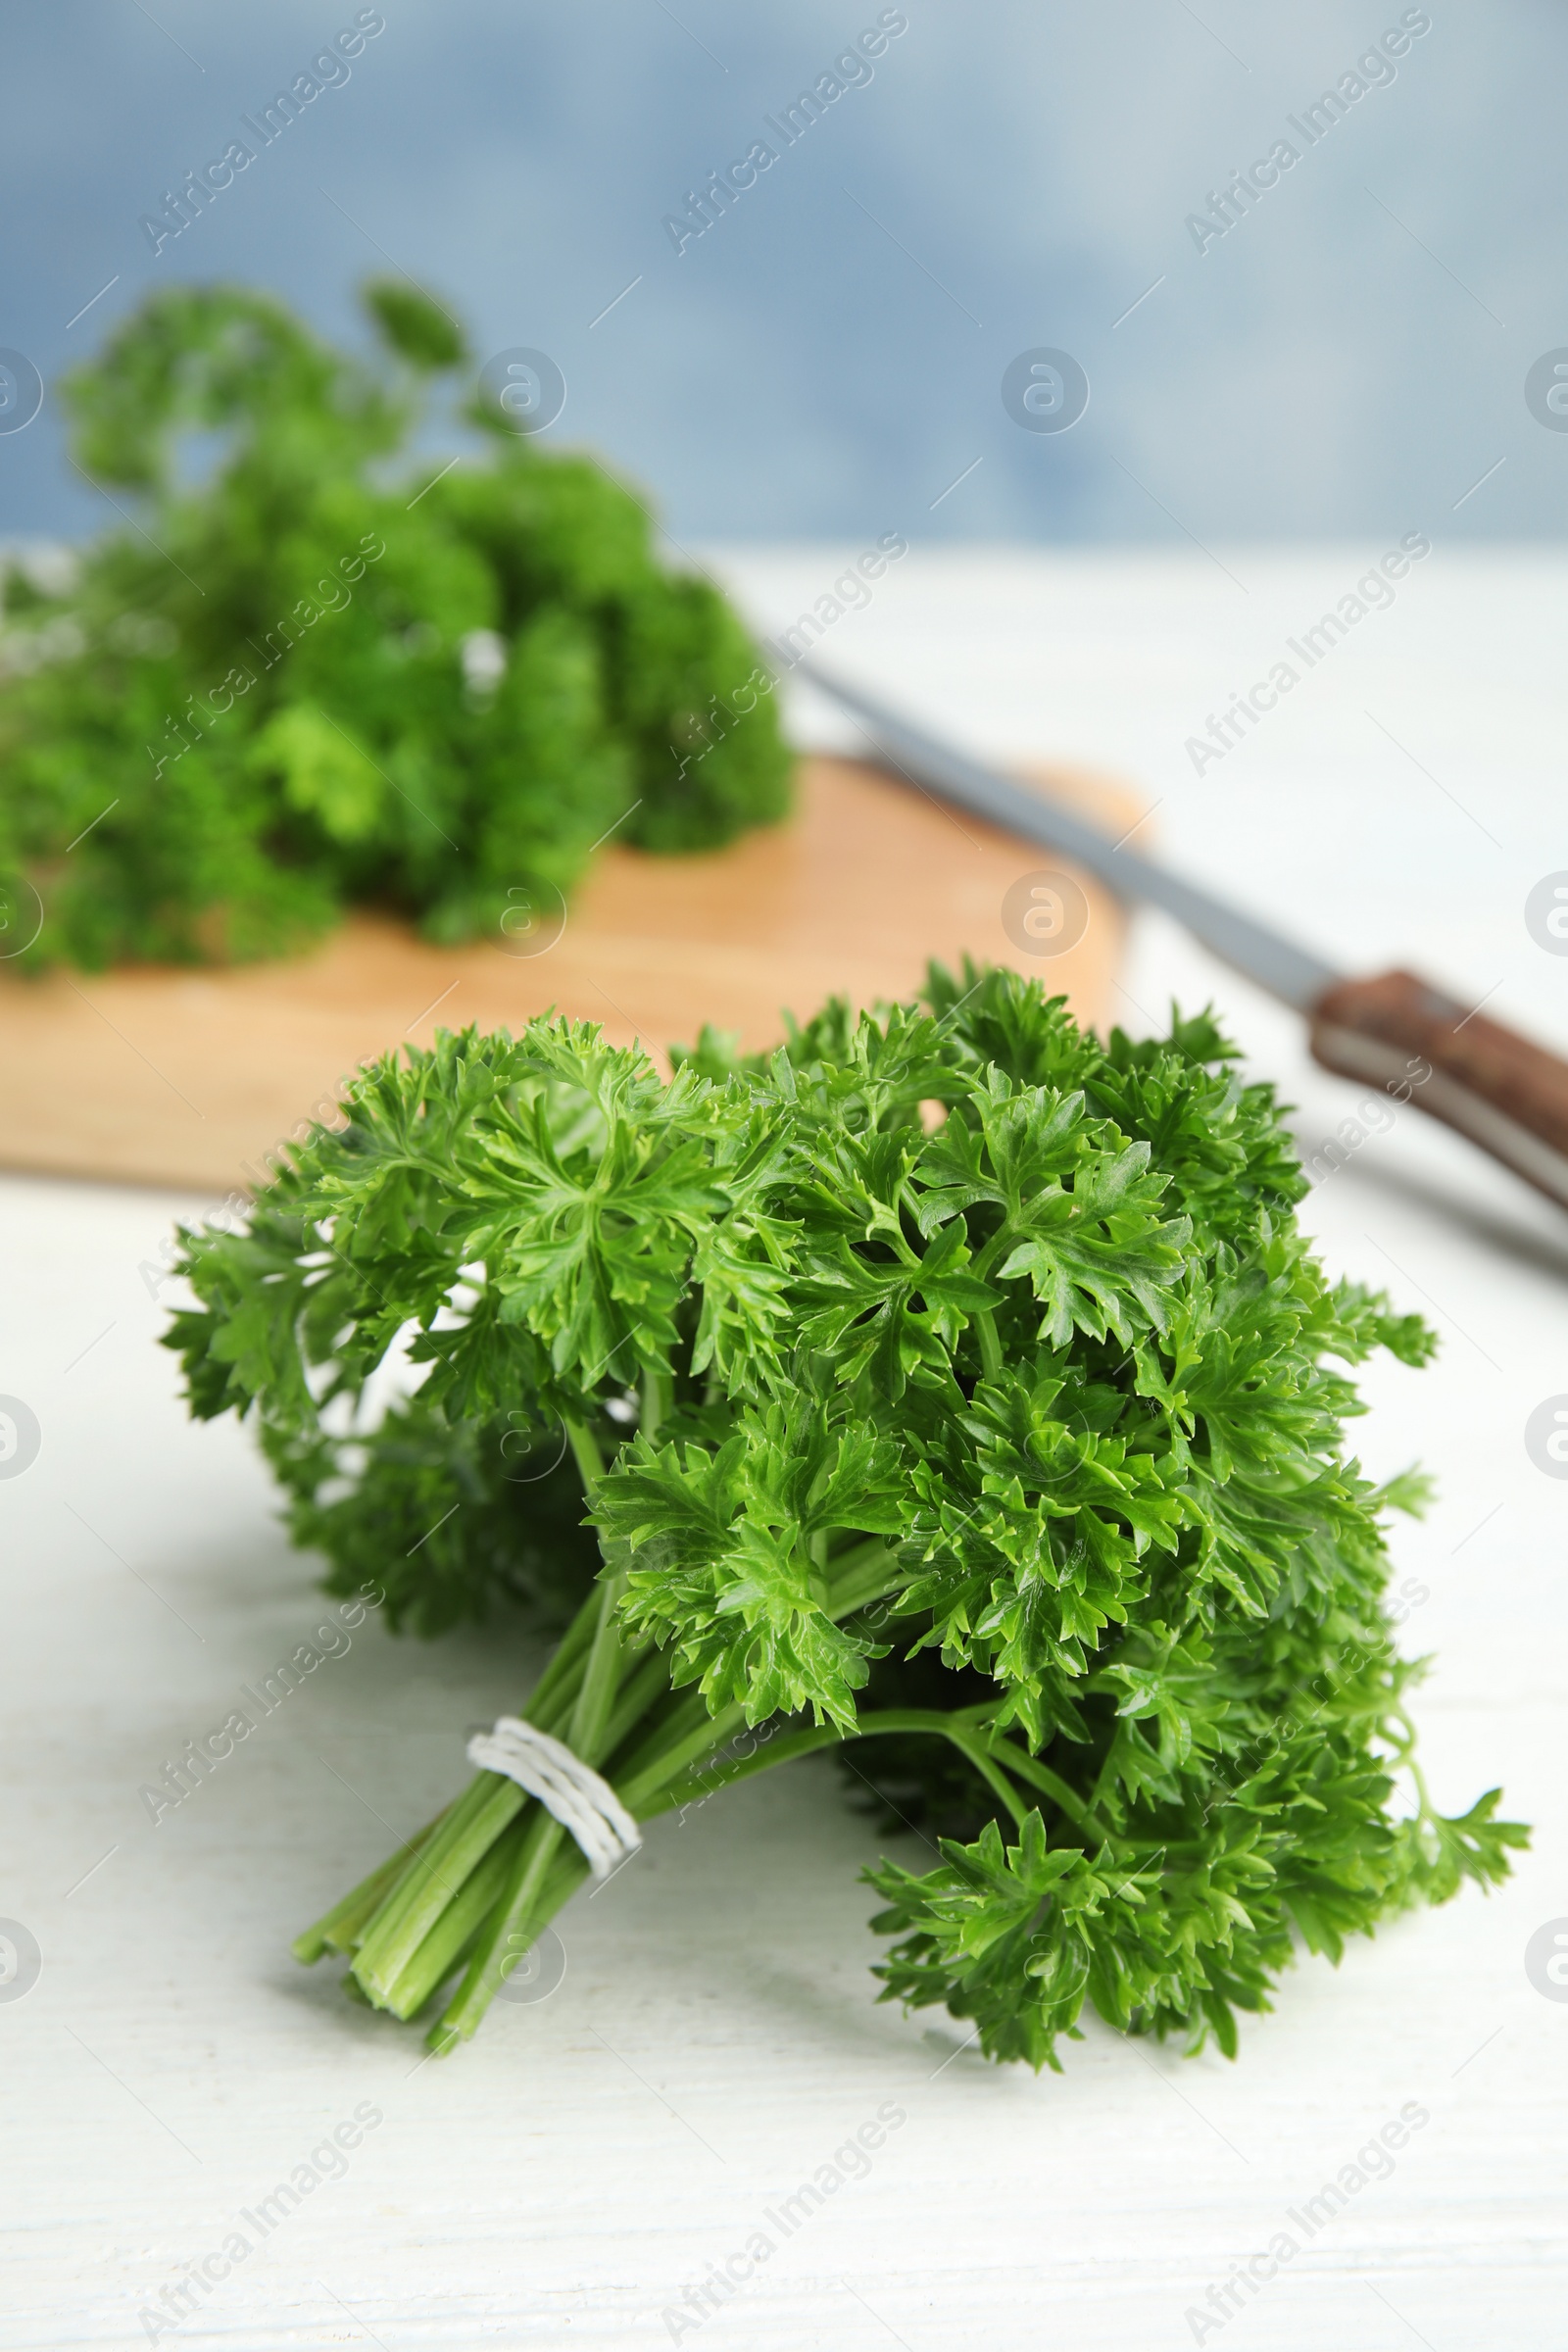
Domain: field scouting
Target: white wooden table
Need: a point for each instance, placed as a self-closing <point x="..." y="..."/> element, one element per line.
<point x="714" y="2040"/>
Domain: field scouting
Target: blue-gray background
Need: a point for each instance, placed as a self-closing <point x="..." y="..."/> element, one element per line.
<point x="1349" y="358"/>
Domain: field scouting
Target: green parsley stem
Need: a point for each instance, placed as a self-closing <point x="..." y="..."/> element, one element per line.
<point x="985" y="1324"/>
<point x="510" y="1927"/>
<point x="338" y="1929"/>
<point x="585" y="1448"/>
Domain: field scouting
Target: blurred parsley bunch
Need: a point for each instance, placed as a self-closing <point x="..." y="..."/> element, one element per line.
<point x="310" y="674"/>
<point x="944" y="1381"/>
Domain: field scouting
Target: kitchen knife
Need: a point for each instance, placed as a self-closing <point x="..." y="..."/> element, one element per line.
<point x="1505" y="1093"/>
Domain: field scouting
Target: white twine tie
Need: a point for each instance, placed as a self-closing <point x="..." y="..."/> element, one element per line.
<point x="568" y="1787"/>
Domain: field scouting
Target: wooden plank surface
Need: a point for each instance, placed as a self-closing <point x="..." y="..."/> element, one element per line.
<point x="193" y="1077"/>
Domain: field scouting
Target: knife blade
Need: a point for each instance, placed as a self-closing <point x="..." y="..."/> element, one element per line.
<point x="1287" y="971"/>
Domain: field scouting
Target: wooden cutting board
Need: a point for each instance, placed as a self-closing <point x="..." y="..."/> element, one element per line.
<point x="193" y="1078"/>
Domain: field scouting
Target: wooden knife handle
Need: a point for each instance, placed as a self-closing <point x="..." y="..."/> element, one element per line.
<point x="1503" y="1092"/>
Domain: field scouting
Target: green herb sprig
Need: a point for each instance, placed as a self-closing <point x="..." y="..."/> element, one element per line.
<point x="944" y="1380"/>
<point x="324" y="668"/>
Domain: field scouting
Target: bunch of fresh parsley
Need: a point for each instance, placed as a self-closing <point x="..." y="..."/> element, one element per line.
<point x="320" y="667"/>
<point x="944" y="1381"/>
